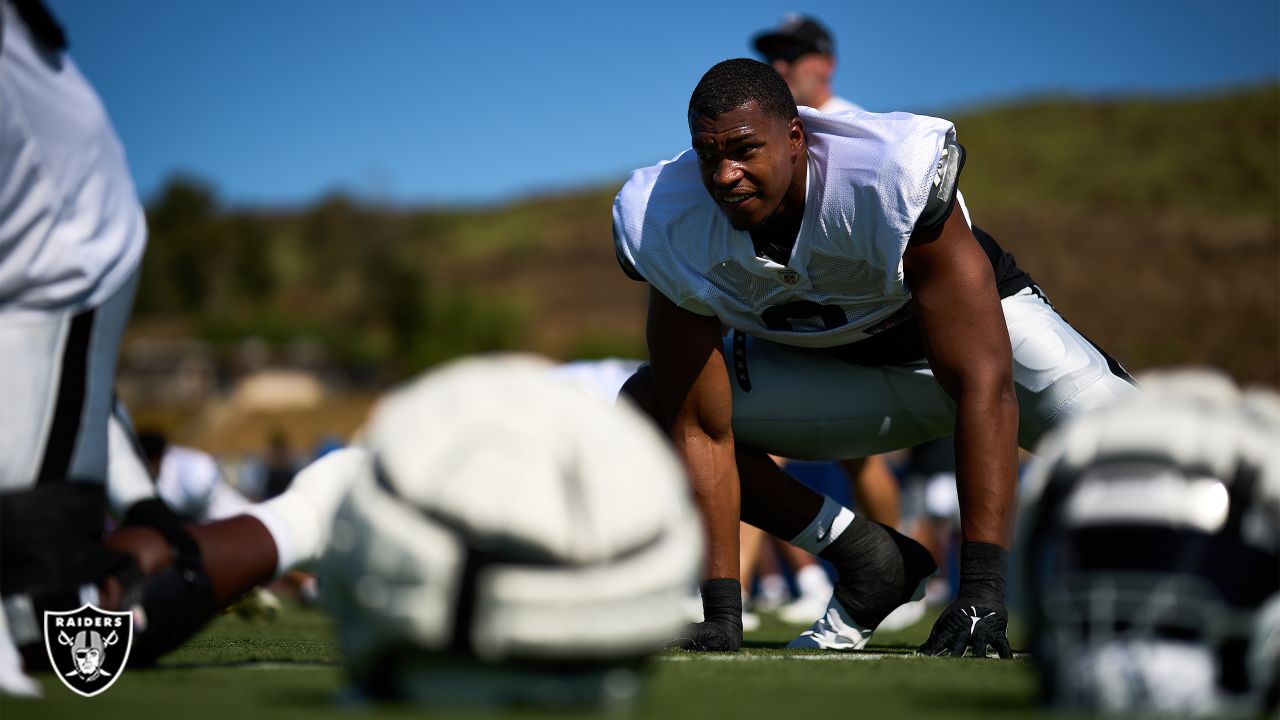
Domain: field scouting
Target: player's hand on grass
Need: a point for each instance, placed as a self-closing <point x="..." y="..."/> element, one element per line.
<point x="712" y="636"/>
<point x="721" y="629"/>
<point x="976" y="620"/>
<point x="967" y="626"/>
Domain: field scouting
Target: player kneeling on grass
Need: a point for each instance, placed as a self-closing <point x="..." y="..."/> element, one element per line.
<point x="1150" y="539"/>
<point x="510" y="540"/>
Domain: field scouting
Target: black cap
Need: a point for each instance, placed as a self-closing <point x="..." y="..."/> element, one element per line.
<point x="795" y="36"/>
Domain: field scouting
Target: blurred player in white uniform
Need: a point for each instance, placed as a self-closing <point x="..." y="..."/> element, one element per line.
<point x="72" y="235"/>
<point x="867" y="315"/>
<point x="190" y="481"/>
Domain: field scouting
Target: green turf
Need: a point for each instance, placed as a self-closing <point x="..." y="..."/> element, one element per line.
<point x="236" y="670"/>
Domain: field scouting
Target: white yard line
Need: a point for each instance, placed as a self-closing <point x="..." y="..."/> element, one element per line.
<point x="831" y="656"/>
<point x="717" y="657"/>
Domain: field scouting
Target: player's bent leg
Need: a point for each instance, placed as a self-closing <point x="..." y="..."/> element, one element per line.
<point x="186" y="573"/>
<point x="299" y="521"/>
<point x="172" y="577"/>
<point x="1057" y="372"/>
<point x="806" y="403"/>
<point x="809" y="405"/>
<point x="878" y="569"/>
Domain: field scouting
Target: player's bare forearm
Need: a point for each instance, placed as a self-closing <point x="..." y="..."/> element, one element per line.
<point x="987" y="463"/>
<point x="714" y="477"/>
<point x="967" y="344"/>
<point x="695" y="403"/>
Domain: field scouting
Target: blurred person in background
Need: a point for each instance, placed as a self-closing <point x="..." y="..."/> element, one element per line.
<point x="189" y="480"/>
<point x="803" y="52"/>
<point x="72" y="236"/>
<point x="279" y="464"/>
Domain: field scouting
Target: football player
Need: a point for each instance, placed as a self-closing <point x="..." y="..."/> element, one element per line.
<point x="867" y="314"/>
<point x="72" y="235"/>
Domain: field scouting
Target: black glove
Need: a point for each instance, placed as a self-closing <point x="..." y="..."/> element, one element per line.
<point x="721" y="628"/>
<point x="977" y="618"/>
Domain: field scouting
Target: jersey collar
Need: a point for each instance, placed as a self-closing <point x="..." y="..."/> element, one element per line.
<point x="794" y="273"/>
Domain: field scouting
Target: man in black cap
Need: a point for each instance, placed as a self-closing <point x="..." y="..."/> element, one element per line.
<point x="803" y="52"/>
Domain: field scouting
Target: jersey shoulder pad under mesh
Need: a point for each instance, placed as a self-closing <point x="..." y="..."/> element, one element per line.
<point x="942" y="191"/>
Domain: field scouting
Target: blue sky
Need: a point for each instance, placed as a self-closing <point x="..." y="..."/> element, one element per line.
<point x="279" y="102"/>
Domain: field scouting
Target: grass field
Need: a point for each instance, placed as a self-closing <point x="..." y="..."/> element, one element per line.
<point x="236" y="670"/>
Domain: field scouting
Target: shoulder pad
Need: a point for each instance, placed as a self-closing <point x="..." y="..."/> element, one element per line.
<point x="942" y="193"/>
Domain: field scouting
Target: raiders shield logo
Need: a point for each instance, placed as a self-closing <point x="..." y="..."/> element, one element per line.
<point x="88" y="647"/>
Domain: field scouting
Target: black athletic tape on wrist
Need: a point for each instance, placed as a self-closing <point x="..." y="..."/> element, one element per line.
<point x="722" y="600"/>
<point x="983" y="568"/>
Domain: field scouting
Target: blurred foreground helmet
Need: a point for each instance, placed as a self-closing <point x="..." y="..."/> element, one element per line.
<point x="516" y="541"/>
<point x="1150" y="543"/>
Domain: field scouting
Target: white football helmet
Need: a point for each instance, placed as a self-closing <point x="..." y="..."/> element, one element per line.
<point x="514" y="540"/>
<point x="1149" y="543"/>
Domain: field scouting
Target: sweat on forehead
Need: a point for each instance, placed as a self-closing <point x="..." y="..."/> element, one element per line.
<point x="733" y="83"/>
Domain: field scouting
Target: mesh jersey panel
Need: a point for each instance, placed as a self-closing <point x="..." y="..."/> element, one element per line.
<point x="869" y="176"/>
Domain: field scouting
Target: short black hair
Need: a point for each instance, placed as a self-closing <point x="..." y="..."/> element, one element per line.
<point x="734" y="83"/>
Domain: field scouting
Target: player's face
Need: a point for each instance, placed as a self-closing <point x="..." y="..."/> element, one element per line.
<point x="748" y="162"/>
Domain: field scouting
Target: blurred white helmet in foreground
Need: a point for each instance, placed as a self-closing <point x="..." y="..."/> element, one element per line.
<point x="516" y="541"/>
<point x="1150" y="550"/>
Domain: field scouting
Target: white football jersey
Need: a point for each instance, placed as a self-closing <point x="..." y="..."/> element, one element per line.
<point x="869" y="178"/>
<point x="71" y="228"/>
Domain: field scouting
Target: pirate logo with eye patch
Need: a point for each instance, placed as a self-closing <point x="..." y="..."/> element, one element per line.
<point x="88" y="647"/>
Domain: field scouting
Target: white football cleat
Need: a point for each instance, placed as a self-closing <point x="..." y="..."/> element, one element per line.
<point x="833" y="631"/>
<point x="905" y="616"/>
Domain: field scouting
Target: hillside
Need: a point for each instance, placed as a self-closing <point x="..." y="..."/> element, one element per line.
<point x="1154" y="225"/>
